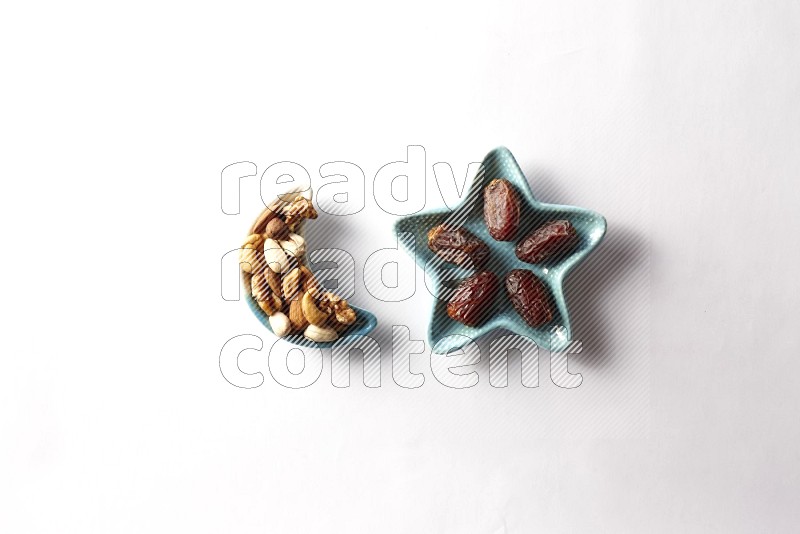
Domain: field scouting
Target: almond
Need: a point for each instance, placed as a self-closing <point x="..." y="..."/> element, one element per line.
<point x="259" y="287"/>
<point x="274" y="281"/>
<point x="290" y="284"/>
<point x="296" y="317"/>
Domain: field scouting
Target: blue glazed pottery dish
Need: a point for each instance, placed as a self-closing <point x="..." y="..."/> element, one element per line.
<point x="292" y="203"/>
<point x="365" y="323"/>
<point x="445" y="334"/>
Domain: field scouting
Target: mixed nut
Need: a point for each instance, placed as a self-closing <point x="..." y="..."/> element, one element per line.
<point x="474" y="295"/>
<point x="272" y="264"/>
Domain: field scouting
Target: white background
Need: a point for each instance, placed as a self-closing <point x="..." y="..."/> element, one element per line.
<point x="679" y="121"/>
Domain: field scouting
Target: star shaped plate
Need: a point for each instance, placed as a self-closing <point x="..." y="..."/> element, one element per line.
<point x="446" y="335"/>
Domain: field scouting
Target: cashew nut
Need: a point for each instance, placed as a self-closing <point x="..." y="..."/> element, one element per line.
<point x="314" y="315"/>
<point x="320" y="333"/>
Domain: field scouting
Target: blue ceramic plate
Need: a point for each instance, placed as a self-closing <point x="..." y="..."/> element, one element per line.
<point x="445" y="334"/>
<point x="364" y="324"/>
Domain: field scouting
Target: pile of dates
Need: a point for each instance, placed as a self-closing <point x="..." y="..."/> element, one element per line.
<point x="474" y="296"/>
<point x="273" y="267"/>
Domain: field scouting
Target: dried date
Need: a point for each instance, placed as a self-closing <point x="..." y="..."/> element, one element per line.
<point x="501" y="209"/>
<point x="457" y="245"/>
<point x="529" y="296"/>
<point x="473" y="298"/>
<point x="547" y="241"/>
